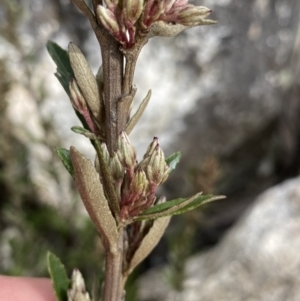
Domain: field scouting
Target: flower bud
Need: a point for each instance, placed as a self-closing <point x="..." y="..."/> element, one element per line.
<point x="126" y="152"/>
<point x="151" y="147"/>
<point x="77" y="99"/>
<point x="77" y="291"/>
<point x="116" y="168"/>
<point x="151" y="12"/>
<point x="112" y="4"/>
<point x="139" y="184"/>
<point x="156" y="168"/>
<point x="105" y="153"/>
<point x="180" y="3"/>
<point x="193" y="15"/>
<point x="110" y="22"/>
<point x="132" y="10"/>
<point x="108" y="19"/>
<point x="106" y="157"/>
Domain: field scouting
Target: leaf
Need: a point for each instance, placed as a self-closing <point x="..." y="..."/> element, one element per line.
<point x="92" y="194"/>
<point x="198" y="202"/>
<point x="149" y="242"/>
<point x="82" y="131"/>
<point x="85" y="80"/>
<point x="169" y="205"/>
<point x="58" y="274"/>
<point x="61" y="58"/>
<point x="136" y="117"/>
<point x="177" y="206"/>
<point x="64" y="156"/>
<point x="173" y="160"/>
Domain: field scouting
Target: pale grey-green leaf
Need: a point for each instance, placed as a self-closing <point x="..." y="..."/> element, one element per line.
<point x="92" y="194"/>
<point x="136" y="117"/>
<point x="85" y="79"/>
<point x="149" y="242"/>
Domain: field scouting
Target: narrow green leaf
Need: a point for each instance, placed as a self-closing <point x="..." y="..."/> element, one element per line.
<point x="169" y="205"/>
<point x="173" y="160"/>
<point x="61" y="58"/>
<point x="82" y="131"/>
<point x="177" y="206"/>
<point x="198" y="202"/>
<point x="64" y="156"/>
<point x="60" y="280"/>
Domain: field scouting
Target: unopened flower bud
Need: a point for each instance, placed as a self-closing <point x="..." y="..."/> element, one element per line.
<point x="77" y="291"/>
<point x="151" y="147"/>
<point x="111" y="4"/>
<point x="139" y="184"/>
<point x="116" y="168"/>
<point x="132" y="10"/>
<point x="156" y="167"/>
<point x="77" y="99"/>
<point x="180" y="3"/>
<point x="152" y="11"/>
<point x="110" y="22"/>
<point x="161" y="200"/>
<point x="105" y="153"/>
<point x="126" y="152"/>
<point x="168" y="4"/>
<point x="106" y="157"/>
<point x="193" y="15"/>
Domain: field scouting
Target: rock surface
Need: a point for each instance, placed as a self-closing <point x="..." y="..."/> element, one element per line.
<point x="258" y="259"/>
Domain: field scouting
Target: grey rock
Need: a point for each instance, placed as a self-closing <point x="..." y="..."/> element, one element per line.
<point x="258" y="259"/>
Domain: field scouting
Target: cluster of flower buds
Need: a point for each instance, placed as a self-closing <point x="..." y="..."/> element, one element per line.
<point x="77" y="292"/>
<point x="122" y="18"/>
<point x="174" y="11"/>
<point x="136" y="183"/>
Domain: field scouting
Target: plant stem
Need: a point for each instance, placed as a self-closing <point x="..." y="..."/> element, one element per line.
<point x="113" y="288"/>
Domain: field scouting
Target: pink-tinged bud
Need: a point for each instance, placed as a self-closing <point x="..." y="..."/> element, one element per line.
<point x="193" y="15"/>
<point x="110" y="22"/>
<point x="116" y="168"/>
<point x="108" y="19"/>
<point x="169" y="4"/>
<point x="139" y="184"/>
<point x="156" y="167"/>
<point x="77" y="99"/>
<point x="126" y="152"/>
<point x="152" y="11"/>
<point x="151" y="147"/>
<point x="180" y="3"/>
<point x="112" y="4"/>
<point x="132" y="10"/>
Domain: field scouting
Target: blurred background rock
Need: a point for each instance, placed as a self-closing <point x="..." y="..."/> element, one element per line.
<point x="227" y="96"/>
